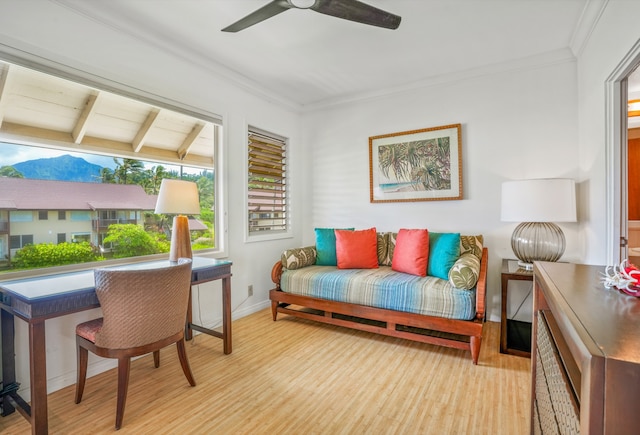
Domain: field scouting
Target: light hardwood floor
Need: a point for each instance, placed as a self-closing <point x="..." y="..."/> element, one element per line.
<point x="299" y="377"/>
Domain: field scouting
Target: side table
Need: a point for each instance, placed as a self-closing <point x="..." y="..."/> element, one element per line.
<point x="515" y="335"/>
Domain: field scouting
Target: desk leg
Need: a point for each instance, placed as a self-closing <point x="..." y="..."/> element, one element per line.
<point x="8" y="358"/>
<point x="188" y="332"/>
<point x="226" y="314"/>
<point x="38" y="366"/>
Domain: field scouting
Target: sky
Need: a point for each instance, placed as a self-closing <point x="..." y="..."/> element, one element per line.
<point x="11" y="154"/>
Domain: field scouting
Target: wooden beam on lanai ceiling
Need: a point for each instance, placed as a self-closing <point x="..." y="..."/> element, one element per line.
<point x="81" y="126"/>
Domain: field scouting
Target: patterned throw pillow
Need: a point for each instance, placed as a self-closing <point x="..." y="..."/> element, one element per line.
<point x="465" y="271"/>
<point x="299" y="257"/>
<point x="382" y="247"/>
<point x="471" y="244"/>
<point x="386" y="246"/>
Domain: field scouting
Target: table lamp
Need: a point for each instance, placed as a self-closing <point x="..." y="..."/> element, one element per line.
<point x="178" y="197"/>
<point x="537" y="204"/>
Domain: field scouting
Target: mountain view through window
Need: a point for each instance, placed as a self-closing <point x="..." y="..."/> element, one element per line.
<point x="60" y="207"/>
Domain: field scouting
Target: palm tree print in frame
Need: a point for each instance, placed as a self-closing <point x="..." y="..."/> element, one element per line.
<point x="417" y="165"/>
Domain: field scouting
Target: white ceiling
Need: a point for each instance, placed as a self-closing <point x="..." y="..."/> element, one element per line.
<point x="309" y="60"/>
<point x="301" y="58"/>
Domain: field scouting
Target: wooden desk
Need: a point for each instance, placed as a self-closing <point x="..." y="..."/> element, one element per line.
<point x="37" y="299"/>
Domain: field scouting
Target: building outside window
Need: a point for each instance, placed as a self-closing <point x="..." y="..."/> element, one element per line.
<point x="116" y="141"/>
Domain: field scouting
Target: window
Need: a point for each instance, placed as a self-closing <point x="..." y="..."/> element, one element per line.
<point x="18" y="242"/>
<point x="267" y="186"/>
<point x="129" y="138"/>
<point x="108" y="214"/>
<point x="20" y="216"/>
<point x="80" y="237"/>
<point x="129" y="207"/>
<point x="79" y="216"/>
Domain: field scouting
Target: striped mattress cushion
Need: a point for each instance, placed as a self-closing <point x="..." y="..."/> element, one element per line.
<point x="382" y="288"/>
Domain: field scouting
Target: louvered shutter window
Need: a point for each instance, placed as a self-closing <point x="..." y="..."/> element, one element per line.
<point x="267" y="191"/>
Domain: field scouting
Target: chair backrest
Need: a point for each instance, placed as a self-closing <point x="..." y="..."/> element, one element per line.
<point x="142" y="306"/>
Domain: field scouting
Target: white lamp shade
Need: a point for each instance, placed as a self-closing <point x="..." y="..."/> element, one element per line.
<point x="539" y="200"/>
<point x="178" y="197"/>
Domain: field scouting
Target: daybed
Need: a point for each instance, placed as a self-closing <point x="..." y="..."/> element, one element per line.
<point x="379" y="298"/>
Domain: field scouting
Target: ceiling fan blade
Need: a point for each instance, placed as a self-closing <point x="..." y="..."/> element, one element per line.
<point x="267" y="11"/>
<point x="357" y="11"/>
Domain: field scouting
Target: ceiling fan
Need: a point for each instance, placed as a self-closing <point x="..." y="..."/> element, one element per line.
<point x="352" y="10"/>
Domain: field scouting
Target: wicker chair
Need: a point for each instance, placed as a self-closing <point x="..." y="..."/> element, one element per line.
<point x="144" y="311"/>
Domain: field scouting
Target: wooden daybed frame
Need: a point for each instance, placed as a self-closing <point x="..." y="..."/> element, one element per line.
<point x="459" y="334"/>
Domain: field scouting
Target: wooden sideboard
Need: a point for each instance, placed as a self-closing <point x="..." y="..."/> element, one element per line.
<point x="585" y="355"/>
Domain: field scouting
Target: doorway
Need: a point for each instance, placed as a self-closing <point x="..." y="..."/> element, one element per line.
<point x="617" y="90"/>
<point x="633" y="167"/>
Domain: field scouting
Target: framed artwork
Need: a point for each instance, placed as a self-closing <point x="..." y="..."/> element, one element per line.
<point x="417" y="165"/>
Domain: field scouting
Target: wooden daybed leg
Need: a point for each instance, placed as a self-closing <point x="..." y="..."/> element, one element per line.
<point x="274" y="309"/>
<point x="474" y="344"/>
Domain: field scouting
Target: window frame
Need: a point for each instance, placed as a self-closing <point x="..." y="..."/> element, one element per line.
<point x="269" y="234"/>
<point x="219" y="167"/>
<point x="20" y="237"/>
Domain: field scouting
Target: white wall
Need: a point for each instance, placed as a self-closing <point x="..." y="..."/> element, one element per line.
<point x="46" y="33"/>
<point x="515" y="124"/>
<point x="616" y="33"/>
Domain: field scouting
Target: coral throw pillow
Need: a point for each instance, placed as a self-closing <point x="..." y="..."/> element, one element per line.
<point x="326" y="246"/>
<point x="411" y="254"/>
<point x="357" y="249"/>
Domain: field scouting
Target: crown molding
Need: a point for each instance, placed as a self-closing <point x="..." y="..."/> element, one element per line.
<point x="526" y="63"/>
<point x="587" y="22"/>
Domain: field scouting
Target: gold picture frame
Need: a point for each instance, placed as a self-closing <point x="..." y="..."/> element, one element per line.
<point x="416" y="165"/>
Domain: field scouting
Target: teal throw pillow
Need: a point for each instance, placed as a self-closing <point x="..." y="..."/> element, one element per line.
<point x="326" y="246"/>
<point x="444" y="250"/>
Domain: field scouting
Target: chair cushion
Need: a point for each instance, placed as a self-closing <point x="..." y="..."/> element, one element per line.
<point x="88" y="330"/>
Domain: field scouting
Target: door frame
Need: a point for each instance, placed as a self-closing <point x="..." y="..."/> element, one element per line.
<point x="616" y="154"/>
